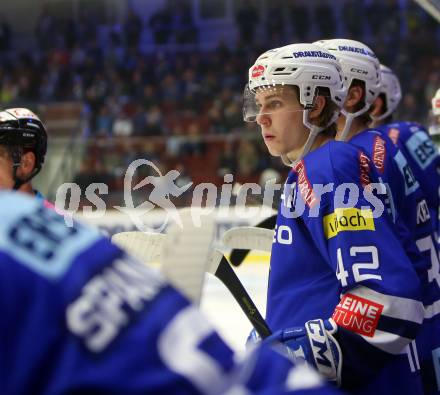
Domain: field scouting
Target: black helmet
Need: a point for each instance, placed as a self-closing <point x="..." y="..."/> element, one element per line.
<point x="20" y="127"/>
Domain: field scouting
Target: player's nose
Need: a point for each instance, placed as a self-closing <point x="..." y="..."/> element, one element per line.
<point x="263" y="119"/>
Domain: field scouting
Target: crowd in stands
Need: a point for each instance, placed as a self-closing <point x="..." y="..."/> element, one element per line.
<point x="193" y="96"/>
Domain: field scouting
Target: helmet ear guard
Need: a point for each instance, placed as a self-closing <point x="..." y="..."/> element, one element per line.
<point x="390" y="87"/>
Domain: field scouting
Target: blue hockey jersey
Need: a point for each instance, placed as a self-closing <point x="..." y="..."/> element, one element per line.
<point x="423" y="157"/>
<point x="79" y="316"/>
<point x="335" y="254"/>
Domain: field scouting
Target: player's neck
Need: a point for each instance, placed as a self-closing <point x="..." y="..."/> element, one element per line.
<point x="357" y="126"/>
<point x="27" y="188"/>
<point x="320" y="140"/>
<point x="376" y="124"/>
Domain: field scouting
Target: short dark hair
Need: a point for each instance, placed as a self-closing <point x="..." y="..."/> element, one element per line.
<point x="328" y="111"/>
<point x="365" y="117"/>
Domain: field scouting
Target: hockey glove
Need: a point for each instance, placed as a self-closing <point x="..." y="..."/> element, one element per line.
<point x="315" y="344"/>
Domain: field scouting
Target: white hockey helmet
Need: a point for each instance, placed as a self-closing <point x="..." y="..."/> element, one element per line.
<point x="358" y="62"/>
<point x="436" y="103"/>
<point x="306" y="66"/>
<point x="390" y="87"/>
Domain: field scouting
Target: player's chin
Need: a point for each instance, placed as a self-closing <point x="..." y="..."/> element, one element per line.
<point x="273" y="149"/>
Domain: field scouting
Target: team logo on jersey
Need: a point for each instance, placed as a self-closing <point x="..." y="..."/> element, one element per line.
<point x="347" y="220"/>
<point x="393" y="134"/>
<point x="411" y="184"/>
<point x="379" y="153"/>
<point x="364" y="168"/>
<point x="304" y="185"/>
<point x="257" y="71"/>
<point x="422" y="149"/>
<point x="422" y="212"/>
<point x="358" y="314"/>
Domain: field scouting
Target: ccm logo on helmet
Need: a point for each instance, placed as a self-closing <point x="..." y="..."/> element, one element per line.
<point x="358" y="71"/>
<point x="321" y="77"/>
<point x="257" y="71"/>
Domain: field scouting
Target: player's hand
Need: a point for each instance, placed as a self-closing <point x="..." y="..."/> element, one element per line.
<point x="315" y="344"/>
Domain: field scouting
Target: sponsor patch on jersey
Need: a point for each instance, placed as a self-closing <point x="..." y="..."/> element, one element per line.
<point x="364" y="169"/>
<point x="257" y="71"/>
<point x="347" y="220"/>
<point x="304" y="185"/>
<point x="379" y="153"/>
<point x="411" y="184"/>
<point x="422" y="149"/>
<point x="358" y="314"/>
<point x="422" y="212"/>
<point x="393" y="134"/>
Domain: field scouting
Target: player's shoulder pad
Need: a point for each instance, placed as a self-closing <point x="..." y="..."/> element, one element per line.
<point x="349" y="163"/>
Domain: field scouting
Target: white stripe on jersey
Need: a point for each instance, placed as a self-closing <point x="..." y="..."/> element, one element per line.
<point x="432" y="309"/>
<point x="393" y="306"/>
<point x="388" y="342"/>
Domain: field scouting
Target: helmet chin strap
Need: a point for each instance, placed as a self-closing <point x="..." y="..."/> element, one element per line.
<point x="349" y="116"/>
<point x="313" y="133"/>
<point x="381" y="117"/>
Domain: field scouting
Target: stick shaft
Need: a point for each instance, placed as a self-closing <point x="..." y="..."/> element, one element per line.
<point x="227" y="276"/>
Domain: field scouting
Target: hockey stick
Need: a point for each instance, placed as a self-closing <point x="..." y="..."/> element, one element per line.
<point x="219" y="267"/>
<point x="238" y="255"/>
<point x="139" y="243"/>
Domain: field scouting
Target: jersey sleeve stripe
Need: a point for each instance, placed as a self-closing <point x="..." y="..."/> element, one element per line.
<point x="388" y="342"/>
<point x="432" y="309"/>
<point x="394" y="306"/>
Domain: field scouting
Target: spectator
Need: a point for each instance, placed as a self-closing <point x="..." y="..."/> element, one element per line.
<point x="300" y="17"/>
<point x="247" y="18"/>
<point x="132" y="29"/>
<point x="5" y="36"/>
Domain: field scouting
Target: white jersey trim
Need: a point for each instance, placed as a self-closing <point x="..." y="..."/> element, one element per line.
<point x="394" y="306"/>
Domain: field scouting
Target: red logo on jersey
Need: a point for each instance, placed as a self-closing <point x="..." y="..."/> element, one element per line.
<point x="364" y="169"/>
<point x="257" y="71"/>
<point x="358" y="314"/>
<point x="379" y="154"/>
<point x="393" y="134"/>
<point x="304" y="186"/>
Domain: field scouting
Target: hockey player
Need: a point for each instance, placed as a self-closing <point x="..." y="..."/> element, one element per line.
<point x="79" y="316"/>
<point x="342" y="293"/>
<point x="23" y="145"/>
<point x="407" y="202"/>
<point x="412" y="139"/>
<point x="434" y="129"/>
<point x="414" y="142"/>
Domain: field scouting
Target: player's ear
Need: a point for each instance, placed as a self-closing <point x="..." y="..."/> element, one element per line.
<point x="27" y="164"/>
<point x="354" y="96"/>
<point x="376" y="108"/>
<point x="318" y="107"/>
